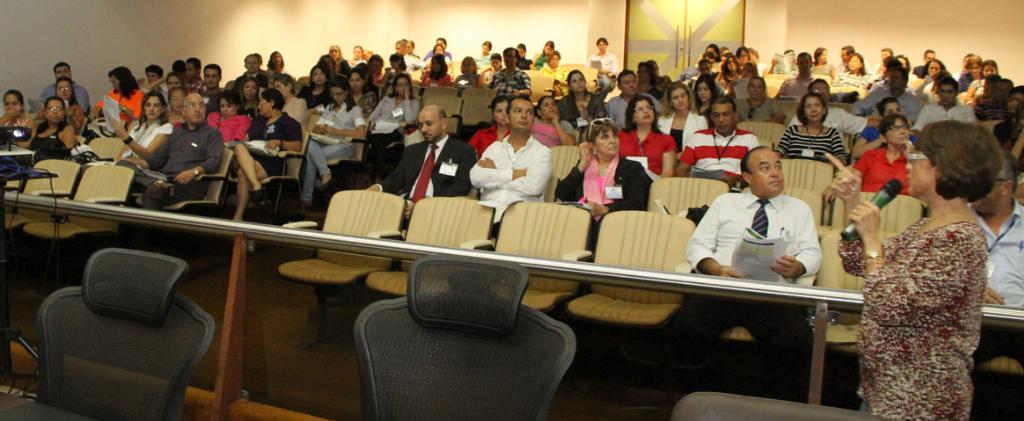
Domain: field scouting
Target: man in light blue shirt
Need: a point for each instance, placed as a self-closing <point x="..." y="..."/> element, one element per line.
<point x="1002" y="219"/>
<point x="63" y="69"/>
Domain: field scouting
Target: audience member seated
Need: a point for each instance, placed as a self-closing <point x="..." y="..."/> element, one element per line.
<point x="523" y="63"/>
<point x="977" y="87"/>
<point x="784" y="68"/>
<point x="971" y="71"/>
<point x="468" y="76"/>
<point x="992" y="104"/>
<point x="275" y="64"/>
<point x="757" y="106"/>
<point x="706" y="92"/>
<point x="359" y="55"/>
<point x="440" y="49"/>
<point x="154" y="80"/>
<point x="1002" y="220"/>
<point x="253" y="70"/>
<point x="854" y="76"/>
<point x="578" y="107"/>
<point x="375" y="68"/>
<point x="436" y="167"/>
<point x="1008" y="132"/>
<point x="885" y="55"/>
<point x="946" y="108"/>
<point x="497" y="131"/>
<point x="680" y="118"/>
<point x="316" y="93"/>
<point x="549" y="129"/>
<point x="365" y="94"/>
<point x="149" y="132"/>
<point x="249" y="92"/>
<point x="342" y="120"/>
<point x="14" y="110"/>
<point x="642" y="141"/>
<point x="484" y="59"/>
<point x="399" y="108"/>
<point x="60" y="70"/>
<point x="176" y="106"/>
<point x="190" y="151"/>
<point x="765" y="210"/>
<point x="540" y="60"/>
<point x="601" y="180"/>
<point x="926" y="90"/>
<point x="125" y="92"/>
<point x="173" y="80"/>
<point x="609" y="65"/>
<point x="211" y="87"/>
<point x="796" y="87"/>
<point x="730" y="73"/>
<point x="616" y="107"/>
<point x="294" y="107"/>
<point x="822" y="68"/>
<point x="811" y="139"/>
<point x="716" y="152"/>
<point x="233" y="126"/>
<point x="738" y="90"/>
<point x="488" y="73"/>
<point x="280" y="131"/>
<point x="54" y="138"/>
<point x="193" y="75"/>
<point x="881" y="164"/>
<point x="437" y="74"/>
<point x="865" y="141"/>
<point x="845" y="54"/>
<point x="337" y="57"/>
<point x="511" y="81"/>
<point x="897" y="81"/>
<point x="66" y="92"/>
<point x="553" y="70"/>
<point x="412" y="61"/>
<point x="922" y="71"/>
<point x="516" y="168"/>
<point x="691" y="74"/>
<point x="646" y="80"/>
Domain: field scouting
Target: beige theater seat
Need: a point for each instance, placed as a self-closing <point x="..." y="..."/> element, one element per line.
<point x="107" y="184"/>
<point x="438" y="221"/>
<point x="61" y="186"/>
<point x="107" y="148"/>
<point x="476" y="103"/>
<point x="768" y="133"/>
<point x="215" y="191"/>
<point x="807" y="174"/>
<point x="679" y="194"/>
<point x="549" y="231"/>
<point x="563" y="158"/>
<point x="644" y="240"/>
<point x="900" y="213"/>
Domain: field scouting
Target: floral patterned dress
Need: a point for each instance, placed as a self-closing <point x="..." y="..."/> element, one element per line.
<point x="921" y="321"/>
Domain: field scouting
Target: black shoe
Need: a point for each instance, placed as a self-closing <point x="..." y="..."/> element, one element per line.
<point x="256" y="196"/>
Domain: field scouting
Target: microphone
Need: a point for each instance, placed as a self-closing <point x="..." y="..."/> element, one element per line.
<point x="888" y="192"/>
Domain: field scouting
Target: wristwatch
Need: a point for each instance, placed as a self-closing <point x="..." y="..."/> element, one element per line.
<point x="870" y="255"/>
<point x="195" y="172"/>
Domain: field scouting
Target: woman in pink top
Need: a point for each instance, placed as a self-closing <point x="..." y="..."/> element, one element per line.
<point x="547" y="127"/>
<point x="641" y="138"/>
<point x="232" y="126"/>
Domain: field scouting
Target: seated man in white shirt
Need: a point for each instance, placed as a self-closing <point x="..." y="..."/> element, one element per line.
<point x="764" y="209"/>
<point x="948" y="107"/>
<point x="516" y="168"/>
<point x="1002" y="220"/>
<point x="838" y="118"/>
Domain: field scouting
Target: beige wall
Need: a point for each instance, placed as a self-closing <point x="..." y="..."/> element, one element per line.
<point x="908" y="27"/>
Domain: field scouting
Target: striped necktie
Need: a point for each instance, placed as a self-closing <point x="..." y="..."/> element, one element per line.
<point x="760" y="224"/>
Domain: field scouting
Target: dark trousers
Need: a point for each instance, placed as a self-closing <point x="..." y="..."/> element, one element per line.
<point x="382" y="158"/>
<point x="1000" y="343"/>
<point x="157" y="195"/>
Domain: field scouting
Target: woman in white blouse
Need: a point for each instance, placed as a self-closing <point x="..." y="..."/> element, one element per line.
<point x="398" y="109"/>
<point x="680" y="119"/>
<point x="149" y="132"/>
<point x="331" y="137"/>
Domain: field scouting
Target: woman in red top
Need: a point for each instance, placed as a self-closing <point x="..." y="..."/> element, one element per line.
<point x="877" y="166"/>
<point x="438" y="74"/>
<point x="488" y="135"/>
<point x="642" y="138"/>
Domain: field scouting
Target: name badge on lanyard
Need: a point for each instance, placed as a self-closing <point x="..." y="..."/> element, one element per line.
<point x="449" y="168"/>
<point x="398" y="112"/>
<point x="613" y="192"/>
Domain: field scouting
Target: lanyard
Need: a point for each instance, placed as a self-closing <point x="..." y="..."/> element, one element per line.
<point x="715" y="141"/>
<point x="1003" y="234"/>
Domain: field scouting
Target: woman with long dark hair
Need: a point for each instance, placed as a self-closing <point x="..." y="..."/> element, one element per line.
<point x="54" y="138"/>
<point x="125" y="91"/>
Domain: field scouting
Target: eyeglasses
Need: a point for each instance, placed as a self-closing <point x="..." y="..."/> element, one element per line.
<point x="898" y="127"/>
<point x="194" y="105"/>
<point x="63" y="89"/>
<point x="55" y="109"/>
<point x="911" y="157"/>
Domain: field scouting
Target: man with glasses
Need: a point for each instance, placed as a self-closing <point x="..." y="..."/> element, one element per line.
<point x="63" y="69"/>
<point x="191" y="150"/>
<point x="716" y="152"/>
<point x="436" y="167"/>
<point x="948" y="107"/>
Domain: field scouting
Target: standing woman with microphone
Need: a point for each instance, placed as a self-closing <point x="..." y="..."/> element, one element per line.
<point x="924" y="287"/>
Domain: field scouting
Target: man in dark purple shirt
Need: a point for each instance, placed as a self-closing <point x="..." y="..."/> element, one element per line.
<point x="191" y="150"/>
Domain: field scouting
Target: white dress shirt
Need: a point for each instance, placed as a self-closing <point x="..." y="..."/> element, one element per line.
<point x="732" y="213"/>
<point x="498" y="189"/>
<point x="932" y="113"/>
<point x="841" y="120"/>
<point x="1006" y="254"/>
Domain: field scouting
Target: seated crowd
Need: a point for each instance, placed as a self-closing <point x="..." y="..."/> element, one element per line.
<point x="180" y="123"/>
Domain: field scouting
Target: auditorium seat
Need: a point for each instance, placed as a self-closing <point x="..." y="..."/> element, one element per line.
<point x="643" y="240"/>
<point x="476" y="103"/>
<point x="1002" y="365"/>
<point x="787" y="107"/>
<point x="291" y="173"/>
<point x="549" y="231"/>
<point x="215" y="191"/>
<point x="124" y="344"/>
<point x="107" y="148"/>
<point x="711" y="406"/>
<point x="900" y="213"/>
<point x="108" y="184"/>
<point x="813" y="199"/>
<point x="680" y="194"/>
<point x="541" y="86"/>
<point x="768" y="133"/>
<point x="351" y="212"/>
<point x="807" y="174"/>
<point x="563" y="158"/>
<point x="62" y="186"/>
<point x="460" y="347"/>
<point x="439" y="221"/>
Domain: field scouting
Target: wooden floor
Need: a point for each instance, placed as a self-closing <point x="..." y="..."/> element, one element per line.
<point x="282" y="369"/>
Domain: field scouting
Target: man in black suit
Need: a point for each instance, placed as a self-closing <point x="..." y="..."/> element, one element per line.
<point x="446" y="160"/>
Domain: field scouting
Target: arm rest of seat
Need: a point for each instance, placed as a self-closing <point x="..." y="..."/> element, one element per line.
<point x="300" y="224"/>
<point x="477" y="245"/>
<point x="106" y="200"/>
<point x="210" y="177"/>
<point x="684" y="267"/>
<point x="387" y="235"/>
<point x="579" y="256"/>
<point x="806" y="280"/>
<point x="55" y="193"/>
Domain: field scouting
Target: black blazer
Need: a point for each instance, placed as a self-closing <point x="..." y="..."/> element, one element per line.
<point x="402" y="180"/>
<point x="629" y="174"/>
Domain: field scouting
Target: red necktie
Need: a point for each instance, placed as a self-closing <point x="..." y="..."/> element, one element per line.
<point x="424" y="180"/>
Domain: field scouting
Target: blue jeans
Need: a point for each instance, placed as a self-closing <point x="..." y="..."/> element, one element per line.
<point x="317" y="155"/>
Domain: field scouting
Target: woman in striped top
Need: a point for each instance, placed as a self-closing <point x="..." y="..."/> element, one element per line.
<point x="811" y="139"/>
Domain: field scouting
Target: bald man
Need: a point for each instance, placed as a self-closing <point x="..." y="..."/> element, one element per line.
<point x="191" y="150"/>
<point x="438" y="166"/>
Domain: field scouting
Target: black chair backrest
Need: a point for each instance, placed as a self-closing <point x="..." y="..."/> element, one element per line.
<point x="710" y="406"/>
<point x="123" y="345"/>
<point x="460" y="346"/>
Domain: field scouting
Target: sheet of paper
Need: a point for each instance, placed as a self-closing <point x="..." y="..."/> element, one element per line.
<point x="712" y="174"/>
<point x="385" y="126"/>
<point x="259" y="147"/>
<point x="642" y="160"/>
<point x="111" y="113"/>
<point x="753" y="257"/>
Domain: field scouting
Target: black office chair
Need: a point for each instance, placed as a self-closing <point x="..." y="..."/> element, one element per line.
<point x="460" y="346"/>
<point x="710" y="406"/>
<point x="123" y="345"/>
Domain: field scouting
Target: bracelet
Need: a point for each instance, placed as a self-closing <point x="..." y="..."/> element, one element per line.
<point x="128" y="140"/>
